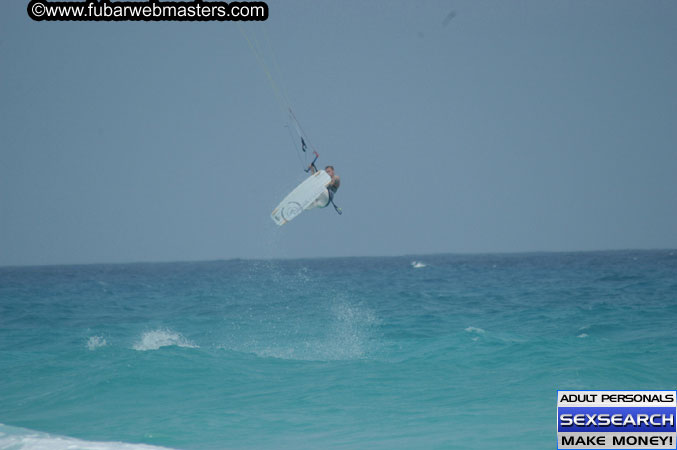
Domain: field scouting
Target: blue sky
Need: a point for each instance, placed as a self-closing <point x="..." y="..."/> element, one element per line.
<point x="518" y="126"/>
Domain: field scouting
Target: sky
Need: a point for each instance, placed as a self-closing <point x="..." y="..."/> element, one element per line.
<point x="455" y="126"/>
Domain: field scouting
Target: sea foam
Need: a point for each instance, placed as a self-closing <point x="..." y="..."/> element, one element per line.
<point x="25" y="439"/>
<point x="153" y="340"/>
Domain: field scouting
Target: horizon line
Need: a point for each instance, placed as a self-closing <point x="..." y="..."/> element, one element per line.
<point x="298" y="258"/>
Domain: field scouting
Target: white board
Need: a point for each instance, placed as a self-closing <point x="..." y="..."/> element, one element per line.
<point x="301" y="197"/>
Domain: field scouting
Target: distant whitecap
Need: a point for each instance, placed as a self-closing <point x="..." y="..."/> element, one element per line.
<point x="582" y="335"/>
<point x="475" y="330"/>
<point x="417" y="264"/>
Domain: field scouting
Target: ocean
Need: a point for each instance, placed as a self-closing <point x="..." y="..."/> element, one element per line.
<point x="415" y="352"/>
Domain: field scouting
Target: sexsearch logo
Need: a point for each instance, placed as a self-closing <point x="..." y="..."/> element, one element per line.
<point x="616" y="420"/>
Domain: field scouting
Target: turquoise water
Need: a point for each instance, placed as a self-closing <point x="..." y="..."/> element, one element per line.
<point x="453" y="352"/>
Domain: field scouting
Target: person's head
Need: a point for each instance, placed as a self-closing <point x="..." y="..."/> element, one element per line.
<point x="329" y="170"/>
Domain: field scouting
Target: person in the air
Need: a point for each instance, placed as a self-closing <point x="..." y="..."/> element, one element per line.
<point x="324" y="200"/>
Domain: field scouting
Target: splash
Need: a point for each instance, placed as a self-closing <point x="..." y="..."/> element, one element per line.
<point x="95" y="342"/>
<point x="347" y="334"/>
<point x="153" y="340"/>
<point x="418" y="264"/>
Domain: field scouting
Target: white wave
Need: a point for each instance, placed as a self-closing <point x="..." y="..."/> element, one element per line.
<point x="95" y="342"/>
<point x="25" y="439"/>
<point x="475" y="330"/>
<point x="153" y="340"/>
<point x="417" y="264"/>
<point x="582" y="335"/>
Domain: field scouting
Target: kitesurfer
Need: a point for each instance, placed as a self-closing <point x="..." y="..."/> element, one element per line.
<point x="335" y="180"/>
<point x="332" y="187"/>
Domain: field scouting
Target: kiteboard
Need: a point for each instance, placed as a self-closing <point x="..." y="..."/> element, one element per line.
<point x="303" y="196"/>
